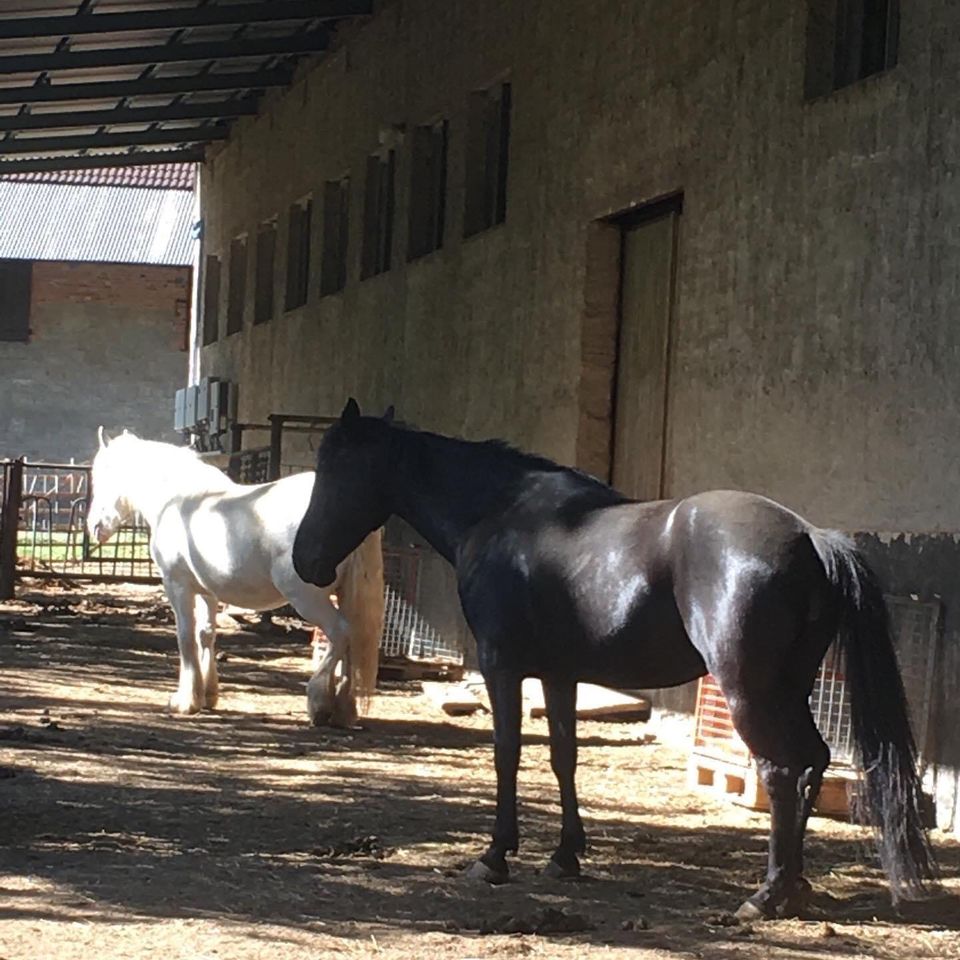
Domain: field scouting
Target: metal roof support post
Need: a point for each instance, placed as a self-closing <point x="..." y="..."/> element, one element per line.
<point x="276" y="442"/>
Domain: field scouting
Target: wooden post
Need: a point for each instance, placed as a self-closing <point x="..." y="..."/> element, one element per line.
<point x="236" y="437"/>
<point x="9" y="522"/>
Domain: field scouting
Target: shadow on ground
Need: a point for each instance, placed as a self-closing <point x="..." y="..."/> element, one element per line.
<point x="114" y="810"/>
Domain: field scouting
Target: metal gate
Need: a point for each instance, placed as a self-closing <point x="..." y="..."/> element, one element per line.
<point x="292" y="447"/>
<point x="43" y="532"/>
<point x="44" y="508"/>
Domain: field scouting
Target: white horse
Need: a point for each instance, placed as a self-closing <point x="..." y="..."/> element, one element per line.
<point x="216" y="540"/>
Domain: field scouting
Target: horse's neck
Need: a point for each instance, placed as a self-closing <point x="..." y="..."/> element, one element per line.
<point x="160" y="477"/>
<point x="447" y="486"/>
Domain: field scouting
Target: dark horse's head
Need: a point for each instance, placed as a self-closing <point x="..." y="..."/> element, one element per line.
<point x="349" y="498"/>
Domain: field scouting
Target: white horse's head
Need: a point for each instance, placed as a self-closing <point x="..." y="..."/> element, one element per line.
<point x="108" y="476"/>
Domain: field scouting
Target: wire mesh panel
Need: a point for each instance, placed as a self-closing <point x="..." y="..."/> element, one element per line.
<point x="407" y="631"/>
<point x="916" y="631"/>
<point x="52" y="538"/>
<point x="830" y="706"/>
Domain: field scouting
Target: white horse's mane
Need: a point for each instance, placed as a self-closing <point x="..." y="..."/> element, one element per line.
<point x="179" y="466"/>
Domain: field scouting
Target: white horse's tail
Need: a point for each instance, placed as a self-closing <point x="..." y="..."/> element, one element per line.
<point x="360" y="599"/>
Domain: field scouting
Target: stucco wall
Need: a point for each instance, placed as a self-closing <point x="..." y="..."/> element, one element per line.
<point x="815" y="350"/>
<point x="107" y="346"/>
<point x="814" y="343"/>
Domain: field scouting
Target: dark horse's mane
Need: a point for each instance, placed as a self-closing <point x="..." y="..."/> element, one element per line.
<point x="498" y="469"/>
<point x="505" y="452"/>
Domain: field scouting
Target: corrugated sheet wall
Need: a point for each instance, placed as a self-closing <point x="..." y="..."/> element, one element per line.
<point x="42" y="221"/>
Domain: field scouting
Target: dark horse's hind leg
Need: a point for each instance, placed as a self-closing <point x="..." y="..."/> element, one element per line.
<point x="504" y="690"/>
<point x="561" y="702"/>
<point x="791" y="758"/>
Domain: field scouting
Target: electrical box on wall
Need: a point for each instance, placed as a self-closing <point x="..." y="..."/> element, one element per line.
<point x="218" y="404"/>
<point x="190" y="413"/>
<point x="185" y="409"/>
<point x="205" y="411"/>
<point x="180" y="410"/>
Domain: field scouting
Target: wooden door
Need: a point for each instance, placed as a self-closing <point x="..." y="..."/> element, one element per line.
<point x="648" y="254"/>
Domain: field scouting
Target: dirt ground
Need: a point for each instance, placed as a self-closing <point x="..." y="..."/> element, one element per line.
<point x="245" y="833"/>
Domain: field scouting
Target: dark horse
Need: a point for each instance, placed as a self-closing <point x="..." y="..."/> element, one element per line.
<point x="564" y="579"/>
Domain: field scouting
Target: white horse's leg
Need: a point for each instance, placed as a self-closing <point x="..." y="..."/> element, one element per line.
<point x="205" y="608"/>
<point x="189" y="695"/>
<point x="327" y="701"/>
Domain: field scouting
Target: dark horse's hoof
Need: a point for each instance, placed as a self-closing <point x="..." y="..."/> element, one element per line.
<point x="478" y="870"/>
<point x="561" y="871"/>
<point x="766" y="905"/>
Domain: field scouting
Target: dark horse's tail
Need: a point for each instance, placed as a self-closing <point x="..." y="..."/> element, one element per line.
<point x="885" y="746"/>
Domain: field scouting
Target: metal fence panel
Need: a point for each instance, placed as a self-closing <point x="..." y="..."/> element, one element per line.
<point x="407" y="632"/>
<point x="52" y="539"/>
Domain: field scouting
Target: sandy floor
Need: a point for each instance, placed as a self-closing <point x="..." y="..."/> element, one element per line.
<point x="245" y="833"/>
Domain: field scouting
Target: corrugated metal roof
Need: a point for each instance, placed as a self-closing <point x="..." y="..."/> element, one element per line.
<point x="156" y="176"/>
<point x="47" y="221"/>
<point x="129" y="82"/>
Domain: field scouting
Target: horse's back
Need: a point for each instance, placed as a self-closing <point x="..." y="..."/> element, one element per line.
<point x="572" y="587"/>
<point x="282" y="503"/>
<point x="611" y="593"/>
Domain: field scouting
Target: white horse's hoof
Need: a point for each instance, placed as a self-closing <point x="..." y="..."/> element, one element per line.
<point x="478" y="870"/>
<point x="177" y="705"/>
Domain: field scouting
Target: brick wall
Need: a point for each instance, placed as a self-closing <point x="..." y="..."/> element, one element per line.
<point x="159" y="289"/>
<point x="107" y="346"/>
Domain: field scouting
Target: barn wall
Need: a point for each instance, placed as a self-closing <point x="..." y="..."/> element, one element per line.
<point x="107" y="346"/>
<point x="815" y="351"/>
<point x="817" y="258"/>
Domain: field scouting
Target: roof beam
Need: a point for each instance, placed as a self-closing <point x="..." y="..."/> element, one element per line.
<point x="147" y="86"/>
<point x="41" y="164"/>
<point x="213" y="110"/>
<point x="35" y="145"/>
<point x="312" y="42"/>
<point x="176" y="18"/>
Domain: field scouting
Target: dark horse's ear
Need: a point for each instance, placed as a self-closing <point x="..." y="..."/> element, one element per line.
<point x="389" y="414"/>
<point x="351" y="411"/>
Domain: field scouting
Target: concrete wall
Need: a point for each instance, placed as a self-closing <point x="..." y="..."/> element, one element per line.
<point x="815" y="349"/>
<point x="817" y="263"/>
<point x="107" y="346"/>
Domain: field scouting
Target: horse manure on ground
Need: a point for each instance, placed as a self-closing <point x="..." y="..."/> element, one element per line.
<point x="549" y="920"/>
<point x="357" y="847"/>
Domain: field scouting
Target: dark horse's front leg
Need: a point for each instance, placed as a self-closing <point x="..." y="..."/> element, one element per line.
<point x="504" y="690"/>
<point x="560" y="697"/>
